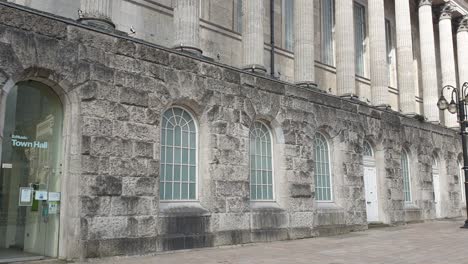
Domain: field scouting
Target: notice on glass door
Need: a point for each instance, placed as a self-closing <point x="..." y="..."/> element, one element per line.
<point x="41" y="195"/>
<point x="25" y="198"/>
<point x="54" y="197"/>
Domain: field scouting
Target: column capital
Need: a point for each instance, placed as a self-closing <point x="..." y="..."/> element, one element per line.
<point x="96" y="13"/>
<point x="425" y="2"/>
<point x="463" y="26"/>
<point x="446" y="11"/>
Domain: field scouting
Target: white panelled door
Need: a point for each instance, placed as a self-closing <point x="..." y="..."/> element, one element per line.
<point x="372" y="202"/>
<point x="436" y="183"/>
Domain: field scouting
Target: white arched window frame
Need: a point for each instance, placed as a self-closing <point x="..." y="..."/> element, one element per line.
<point x="179" y="156"/>
<point x="261" y="163"/>
<point x="367" y="150"/>
<point x="323" y="180"/>
<point x="406" y="174"/>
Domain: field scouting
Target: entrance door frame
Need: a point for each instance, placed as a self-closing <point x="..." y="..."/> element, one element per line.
<point x="68" y="240"/>
<point x="370" y="162"/>
<point x="436" y="185"/>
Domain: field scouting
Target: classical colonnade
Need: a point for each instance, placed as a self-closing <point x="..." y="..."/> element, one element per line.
<point x="187" y="37"/>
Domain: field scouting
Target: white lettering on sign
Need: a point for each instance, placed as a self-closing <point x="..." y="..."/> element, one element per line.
<point x="7" y="166"/>
<point x="29" y="144"/>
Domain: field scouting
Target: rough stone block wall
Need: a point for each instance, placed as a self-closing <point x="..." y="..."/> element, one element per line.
<point x="115" y="90"/>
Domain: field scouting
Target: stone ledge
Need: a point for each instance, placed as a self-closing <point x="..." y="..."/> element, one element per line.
<point x="182" y="209"/>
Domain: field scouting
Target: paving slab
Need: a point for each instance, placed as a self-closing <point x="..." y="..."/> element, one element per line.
<point x="433" y="242"/>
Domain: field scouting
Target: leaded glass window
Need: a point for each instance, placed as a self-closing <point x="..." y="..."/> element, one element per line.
<point x="367" y="150"/>
<point x="360" y="36"/>
<point x="178" y="179"/>
<point x="328" y="23"/>
<point x="405" y="171"/>
<point x="323" y="188"/>
<point x="261" y="167"/>
<point x="289" y="24"/>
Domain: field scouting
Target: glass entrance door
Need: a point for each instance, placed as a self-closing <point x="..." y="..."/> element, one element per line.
<point x="30" y="173"/>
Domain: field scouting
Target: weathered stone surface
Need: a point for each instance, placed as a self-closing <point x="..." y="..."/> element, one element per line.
<point x="116" y="91"/>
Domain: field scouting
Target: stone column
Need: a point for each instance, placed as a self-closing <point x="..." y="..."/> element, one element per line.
<point x="97" y="13"/>
<point x="447" y="58"/>
<point x="252" y="35"/>
<point x="304" y="58"/>
<point x="462" y="52"/>
<point x="404" y="49"/>
<point x="187" y="26"/>
<point x="428" y="61"/>
<point x="345" y="50"/>
<point x="378" y="53"/>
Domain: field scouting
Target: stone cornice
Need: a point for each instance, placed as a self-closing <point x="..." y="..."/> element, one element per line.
<point x="425" y="2"/>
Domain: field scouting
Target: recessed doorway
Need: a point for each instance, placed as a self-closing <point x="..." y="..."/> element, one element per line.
<point x="30" y="173"/>
<point x="370" y="185"/>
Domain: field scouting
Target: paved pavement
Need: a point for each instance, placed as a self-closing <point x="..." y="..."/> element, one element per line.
<point x="434" y="242"/>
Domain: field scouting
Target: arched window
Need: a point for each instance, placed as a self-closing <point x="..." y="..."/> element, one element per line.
<point x="178" y="179"/>
<point x="323" y="183"/>
<point x="261" y="167"/>
<point x="405" y="171"/>
<point x="367" y="152"/>
<point x="435" y="165"/>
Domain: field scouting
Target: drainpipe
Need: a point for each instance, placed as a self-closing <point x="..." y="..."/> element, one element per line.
<point x="272" y="40"/>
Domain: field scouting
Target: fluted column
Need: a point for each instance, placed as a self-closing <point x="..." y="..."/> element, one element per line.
<point x="97" y="13"/>
<point x="304" y="58"/>
<point x="404" y="48"/>
<point x="345" y="51"/>
<point x="462" y="52"/>
<point x="447" y="58"/>
<point x="252" y="35"/>
<point x="378" y="53"/>
<point x="428" y="61"/>
<point x="187" y="25"/>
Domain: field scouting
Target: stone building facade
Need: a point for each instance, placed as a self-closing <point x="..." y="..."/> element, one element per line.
<point x="142" y="141"/>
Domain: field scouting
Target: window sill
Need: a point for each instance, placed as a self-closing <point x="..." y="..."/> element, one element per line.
<point x="410" y="206"/>
<point x="328" y="206"/>
<point x="186" y="208"/>
<point x="265" y="206"/>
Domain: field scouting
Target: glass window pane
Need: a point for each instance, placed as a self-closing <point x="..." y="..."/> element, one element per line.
<point x="177" y="136"/>
<point x="185" y="192"/>
<point x="169" y="173"/>
<point x="169" y="137"/>
<point x="192" y="191"/>
<point x="169" y="155"/>
<point x="270" y="192"/>
<point x="193" y="140"/>
<point x="168" y="191"/>
<point x="185" y="139"/>
<point x="177" y="191"/>
<point x="177" y="155"/>
<point x="177" y="173"/>
<point x="193" y="156"/>
<point x="185" y="156"/>
<point x="185" y="174"/>
<point x="193" y="173"/>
